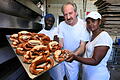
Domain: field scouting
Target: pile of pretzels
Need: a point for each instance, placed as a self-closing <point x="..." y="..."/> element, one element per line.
<point x="37" y="50"/>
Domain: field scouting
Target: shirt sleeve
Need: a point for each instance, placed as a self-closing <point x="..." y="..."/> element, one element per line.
<point x="104" y="40"/>
<point x="85" y="34"/>
<point x="60" y="31"/>
<point x="56" y="31"/>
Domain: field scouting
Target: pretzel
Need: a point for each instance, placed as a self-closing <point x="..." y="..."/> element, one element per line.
<point x="24" y="33"/>
<point x="27" y="57"/>
<point x="31" y="43"/>
<point x="38" y="36"/>
<point x="41" y="64"/>
<point x="14" y="44"/>
<point x="60" y="55"/>
<point x="20" y="50"/>
<point x="53" y="46"/>
<point x="41" y="35"/>
<point x="24" y="38"/>
<point x="41" y="50"/>
<point x="14" y="39"/>
<point x="45" y="40"/>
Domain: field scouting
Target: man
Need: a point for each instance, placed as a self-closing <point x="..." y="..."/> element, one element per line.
<point x="49" y="29"/>
<point x="72" y="36"/>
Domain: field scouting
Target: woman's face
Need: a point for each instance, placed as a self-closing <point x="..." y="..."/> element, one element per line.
<point x="92" y="24"/>
<point x="49" y="22"/>
<point x="70" y="15"/>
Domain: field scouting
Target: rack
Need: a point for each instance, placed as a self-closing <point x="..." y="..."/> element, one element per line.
<point x="110" y="11"/>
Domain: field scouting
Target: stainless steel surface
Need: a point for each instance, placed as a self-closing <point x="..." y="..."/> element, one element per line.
<point x="14" y="8"/>
<point x="16" y="15"/>
<point x="8" y="21"/>
<point x="29" y="4"/>
<point x="6" y="53"/>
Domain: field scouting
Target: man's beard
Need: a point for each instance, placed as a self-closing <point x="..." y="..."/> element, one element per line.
<point x="69" y="21"/>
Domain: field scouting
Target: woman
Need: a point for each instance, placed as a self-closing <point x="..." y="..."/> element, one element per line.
<point x="98" y="50"/>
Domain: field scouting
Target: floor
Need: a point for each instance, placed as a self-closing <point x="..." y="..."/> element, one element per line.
<point x="115" y="72"/>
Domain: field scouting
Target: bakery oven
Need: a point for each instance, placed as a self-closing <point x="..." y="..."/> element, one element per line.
<point x="14" y="17"/>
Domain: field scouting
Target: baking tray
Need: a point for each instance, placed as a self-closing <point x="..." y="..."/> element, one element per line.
<point x="25" y="65"/>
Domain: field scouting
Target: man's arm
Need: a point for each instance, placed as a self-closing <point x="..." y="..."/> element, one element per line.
<point x="61" y="43"/>
<point x="81" y="49"/>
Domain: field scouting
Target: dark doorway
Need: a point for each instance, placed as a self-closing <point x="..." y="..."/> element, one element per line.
<point x="61" y="18"/>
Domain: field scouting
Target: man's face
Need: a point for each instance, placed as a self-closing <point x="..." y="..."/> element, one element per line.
<point x="49" y="23"/>
<point x="70" y="15"/>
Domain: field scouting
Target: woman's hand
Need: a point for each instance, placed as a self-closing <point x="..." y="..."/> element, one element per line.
<point x="71" y="57"/>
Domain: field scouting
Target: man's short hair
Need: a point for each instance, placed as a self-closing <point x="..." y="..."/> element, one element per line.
<point x="69" y="3"/>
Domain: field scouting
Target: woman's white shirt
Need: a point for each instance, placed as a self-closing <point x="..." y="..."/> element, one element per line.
<point x="100" y="71"/>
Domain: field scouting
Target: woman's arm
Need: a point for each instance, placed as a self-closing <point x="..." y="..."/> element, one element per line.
<point x="98" y="55"/>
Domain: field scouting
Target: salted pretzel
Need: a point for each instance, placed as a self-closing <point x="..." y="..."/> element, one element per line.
<point x="41" y="35"/>
<point x="24" y="33"/>
<point x="41" y="50"/>
<point x="20" y="50"/>
<point x="27" y="57"/>
<point x="15" y="44"/>
<point x="14" y="37"/>
<point x="45" y="40"/>
<point x="24" y="38"/>
<point x="41" y="64"/>
<point x="35" y="52"/>
<point x="31" y="43"/>
<point x="38" y="36"/>
<point x="53" y="46"/>
<point x="14" y="40"/>
<point x="60" y="55"/>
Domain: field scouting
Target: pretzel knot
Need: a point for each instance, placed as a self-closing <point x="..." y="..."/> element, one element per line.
<point x="61" y="55"/>
<point x="53" y="46"/>
<point x="14" y="39"/>
<point x="24" y="36"/>
<point x="41" y="64"/>
<point x="39" y="50"/>
<point x="31" y="43"/>
<point x="20" y="50"/>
